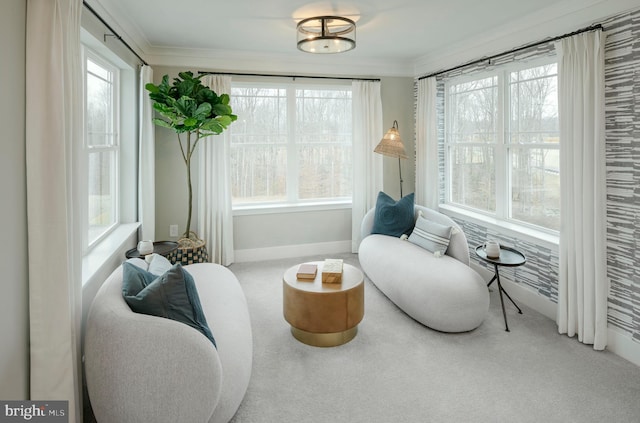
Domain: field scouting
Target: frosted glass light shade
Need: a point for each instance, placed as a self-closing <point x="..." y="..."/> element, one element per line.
<point x="326" y="34"/>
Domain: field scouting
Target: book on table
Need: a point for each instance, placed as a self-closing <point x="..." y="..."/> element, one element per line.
<point x="307" y="271"/>
<point x="332" y="271"/>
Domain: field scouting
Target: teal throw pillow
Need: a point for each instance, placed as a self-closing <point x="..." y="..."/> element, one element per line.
<point x="134" y="278"/>
<point x="172" y="295"/>
<point x="431" y="236"/>
<point x="393" y="218"/>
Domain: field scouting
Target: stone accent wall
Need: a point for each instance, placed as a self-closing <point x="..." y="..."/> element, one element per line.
<point x="622" y="113"/>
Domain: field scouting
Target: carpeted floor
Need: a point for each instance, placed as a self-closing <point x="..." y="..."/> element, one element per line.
<point x="397" y="370"/>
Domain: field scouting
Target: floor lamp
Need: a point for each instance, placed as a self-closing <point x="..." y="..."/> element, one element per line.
<point x="391" y="145"/>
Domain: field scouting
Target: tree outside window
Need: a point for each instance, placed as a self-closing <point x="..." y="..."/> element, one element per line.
<point x="502" y="145"/>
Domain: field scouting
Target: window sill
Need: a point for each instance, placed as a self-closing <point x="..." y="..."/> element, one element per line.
<point x="511" y="229"/>
<point x="256" y="209"/>
<point x="104" y="251"/>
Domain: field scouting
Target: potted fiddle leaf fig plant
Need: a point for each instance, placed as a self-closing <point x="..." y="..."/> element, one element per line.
<point x="193" y="111"/>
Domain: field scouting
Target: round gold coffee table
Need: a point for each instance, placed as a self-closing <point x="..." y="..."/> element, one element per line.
<point x="323" y="314"/>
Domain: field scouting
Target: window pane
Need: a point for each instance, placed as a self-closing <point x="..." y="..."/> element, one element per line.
<point x="535" y="138"/>
<point x="534" y="105"/>
<point x="323" y="115"/>
<point x="535" y="72"/>
<point x="535" y="179"/>
<point x="325" y="172"/>
<point x="102" y="193"/>
<point x="290" y="143"/>
<point x="535" y="186"/>
<point x="99" y="119"/>
<point x="258" y="173"/>
<point x="262" y="114"/>
<point x="258" y="145"/>
<point x="517" y="112"/>
<point x="323" y="133"/>
<point x="473" y="177"/>
<point x="473" y="111"/>
<point x="99" y="71"/>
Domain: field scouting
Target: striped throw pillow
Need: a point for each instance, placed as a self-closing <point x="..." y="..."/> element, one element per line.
<point x="431" y="236"/>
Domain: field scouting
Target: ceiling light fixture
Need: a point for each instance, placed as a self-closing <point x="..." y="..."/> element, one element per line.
<point x="326" y="34"/>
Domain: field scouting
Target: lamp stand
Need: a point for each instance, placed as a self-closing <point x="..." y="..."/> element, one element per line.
<point x="400" y="172"/>
<point x="391" y="146"/>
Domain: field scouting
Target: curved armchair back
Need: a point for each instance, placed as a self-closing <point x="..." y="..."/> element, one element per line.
<point x="458" y="246"/>
<point x="131" y="368"/>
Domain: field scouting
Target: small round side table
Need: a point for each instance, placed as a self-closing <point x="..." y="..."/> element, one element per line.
<point x="509" y="257"/>
<point x="159" y="247"/>
<point x="323" y="314"/>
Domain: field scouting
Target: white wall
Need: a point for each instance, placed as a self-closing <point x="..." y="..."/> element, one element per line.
<point x="397" y="104"/>
<point x="171" y="176"/>
<point x="257" y="235"/>
<point x="14" y="308"/>
<point x="276" y="235"/>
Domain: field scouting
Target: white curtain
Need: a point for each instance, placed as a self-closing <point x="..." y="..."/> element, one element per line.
<point x="367" y="165"/>
<point x="427" y="176"/>
<point x="53" y="150"/>
<point x="583" y="286"/>
<point x="146" y="160"/>
<point x="215" y="218"/>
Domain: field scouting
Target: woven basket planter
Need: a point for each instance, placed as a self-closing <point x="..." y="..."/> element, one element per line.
<point x="190" y="250"/>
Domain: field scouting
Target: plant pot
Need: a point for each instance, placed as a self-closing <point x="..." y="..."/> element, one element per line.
<point x="190" y="250"/>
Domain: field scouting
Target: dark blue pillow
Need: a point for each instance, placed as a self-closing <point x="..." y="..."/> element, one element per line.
<point x="172" y="295"/>
<point x="392" y="217"/>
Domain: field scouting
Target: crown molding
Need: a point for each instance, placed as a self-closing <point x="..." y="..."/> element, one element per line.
<point x="562" y="17"/>
<point x="346" y="64"/>
<point x="117" y="19"/>
<point x="234" y="61"/>
<point x="567" y="16"/>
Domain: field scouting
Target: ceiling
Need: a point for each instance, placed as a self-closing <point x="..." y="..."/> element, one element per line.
<point x="394" y="37"/>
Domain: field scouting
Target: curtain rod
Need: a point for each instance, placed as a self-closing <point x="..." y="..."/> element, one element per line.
<point x="515" y="50"/>
<point x="113" y="33"/>
<point x="289" y="76"/>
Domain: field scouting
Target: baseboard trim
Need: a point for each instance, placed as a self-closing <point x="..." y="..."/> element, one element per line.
<point x="289" y="251"/>
<point x="618" y="342"/>
<point x="623" y="345"/>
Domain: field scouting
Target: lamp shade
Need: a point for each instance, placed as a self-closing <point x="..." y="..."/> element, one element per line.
<point x="391" y="145"/>
<point x="326" y="34"/>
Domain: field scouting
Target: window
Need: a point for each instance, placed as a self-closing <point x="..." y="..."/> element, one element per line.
<point x="101" y="146"/>
<point x="502" y="145"/>
<point x="291" y="144"/>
